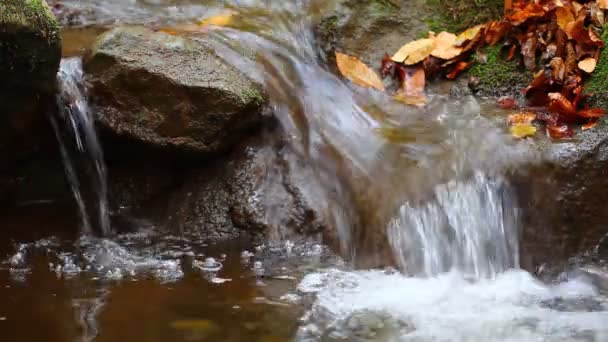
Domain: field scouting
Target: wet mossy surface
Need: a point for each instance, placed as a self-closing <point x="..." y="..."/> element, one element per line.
<point x="458" y="15"/>
<point x="498" y="76"/>
<point x="30" y="43"/>
<point x="597" y="85"/>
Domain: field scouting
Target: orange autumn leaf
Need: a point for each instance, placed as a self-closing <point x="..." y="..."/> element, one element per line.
<point x="460" y="67"/>
<point x="412" y="89"/>
<point x="530" y="11"/>
<point x="591" y="113"/>
<point x="561" y="105"/>
<point x="445" y="47"/>
<point x="415" y="51"/>
<point x="587" y="65"/>
<point x="521" y="118"/>
<point x="357" y="72"/>
<point x="589" y="125"/>
<point x="564" y="16"/>
<point x="559" y="131"/>
<point x="603" y="4"/>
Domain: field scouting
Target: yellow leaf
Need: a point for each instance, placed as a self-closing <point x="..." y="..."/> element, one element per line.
<point x="414" y="52"/>
<point x="523" y="130"/>
<point x="587" y="64"/>
<point x="412" y="100"/>
<point x="564" y="17"/>
<point x="224" y="19"/>
<point x="445" y="47"/>
<point x="359" y="73"/>
<point x="469" y="34"/>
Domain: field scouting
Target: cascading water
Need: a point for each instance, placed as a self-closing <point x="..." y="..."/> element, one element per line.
<point x="80" y="148"/>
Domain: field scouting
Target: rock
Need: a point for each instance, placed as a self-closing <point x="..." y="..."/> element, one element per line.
<point x="565" y="199"/>
<point x="260" y="189"/>
<point x="170" y="92"/>
<point x="30" y="52"/>
<point x="369" y="29"/>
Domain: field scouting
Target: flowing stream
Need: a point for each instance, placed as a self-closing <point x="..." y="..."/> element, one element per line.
<point x="428" y="180"/>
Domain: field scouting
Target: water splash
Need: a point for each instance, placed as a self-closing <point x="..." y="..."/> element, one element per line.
<point x="470" y="226"/>
<point x="80" y="148"/>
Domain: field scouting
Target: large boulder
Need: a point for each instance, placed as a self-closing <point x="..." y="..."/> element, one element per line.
<point x="169" y="92"/>
<point x="30" y="52"/>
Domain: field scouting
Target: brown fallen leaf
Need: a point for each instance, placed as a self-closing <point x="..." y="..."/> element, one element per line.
<point x="603" y="4"/>
<point x="359" y="73"/>
<point x="564" y="16"/>
<point x="521" y="118"/>
<point x="558" y="69"/>
<point x="561" y="105"/>
<point x="412" y="89"/>
<point x="587" y="65"/>
<point x="415" y="51"/>
<point x="523" y="130"/>
<point x="528" y="50"/>
<point x="445" y="47"/>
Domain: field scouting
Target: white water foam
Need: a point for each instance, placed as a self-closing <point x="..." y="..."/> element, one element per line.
<point x="514" y="306"/>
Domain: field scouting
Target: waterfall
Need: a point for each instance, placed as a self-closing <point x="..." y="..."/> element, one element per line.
<point x="80" y="148"/>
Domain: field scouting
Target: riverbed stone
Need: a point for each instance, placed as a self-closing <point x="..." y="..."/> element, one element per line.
<point x="170" y="92"/>
<point x="565" y="199"/>
<point x="259" y="190"/>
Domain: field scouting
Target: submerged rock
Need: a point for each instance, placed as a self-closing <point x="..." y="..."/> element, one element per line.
<point x="564" y="199"/>
<point x="170" y="92"/>
<point x="261" y="189"/>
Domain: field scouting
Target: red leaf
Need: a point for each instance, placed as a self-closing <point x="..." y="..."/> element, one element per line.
<point x="559" y="131"/>
<point x="388" y="66"/>
<point x="506" y="102"/>
<point x="591" y="113"/>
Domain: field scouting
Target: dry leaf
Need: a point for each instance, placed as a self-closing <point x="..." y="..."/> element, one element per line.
<point x="521" y="118"/>
<point x="577" y="7"/>
<point x="445" y="47"/>
<point x="603" y="4"/>
<point x="591" y="113"/>
<point x="412" y="100"/>
<point x="506" y="102"/>
<point x="530" y="11"/>
<point x="414" y="52"/>
<point x="224" y="19"/>
<point x="564" y="16"/>
<point x="561" y="105"/>
<point x="460" y="67"/>
<point x="469" y="34"/>
<point x="589" y="125"/>
<point x="414" y="81"/>
<point x="587" y="64"/>
<point x="523" y="130"/>
<point x="359" y="73"/>
<point x="559" y="131"/>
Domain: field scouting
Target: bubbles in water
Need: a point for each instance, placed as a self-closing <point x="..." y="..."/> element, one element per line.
<point x="511" y="307"/>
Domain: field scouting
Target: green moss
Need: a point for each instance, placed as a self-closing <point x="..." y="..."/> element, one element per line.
<point x="458" y="15"/>
<point x="498" y="73"/>
<point x="598" y="83"/>
<point x="252" y="95"/>
<point x="31" y="42"/>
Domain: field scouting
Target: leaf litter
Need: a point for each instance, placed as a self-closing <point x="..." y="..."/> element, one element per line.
<point x="557" y="40"/>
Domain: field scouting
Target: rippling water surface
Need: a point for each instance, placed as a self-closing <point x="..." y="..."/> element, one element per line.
<point x="429" y="180"/>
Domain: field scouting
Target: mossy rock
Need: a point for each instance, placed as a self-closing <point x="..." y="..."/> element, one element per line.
<point x="30" y="44"/>
<point x="170" y="92"/>
<point x="498" y="76"/>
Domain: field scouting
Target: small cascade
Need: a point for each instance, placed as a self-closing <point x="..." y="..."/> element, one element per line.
<point x="470" y="226"/>
<point x="80" y="149"/>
